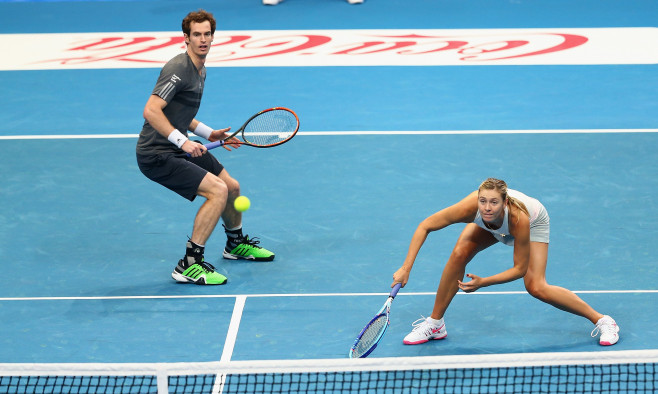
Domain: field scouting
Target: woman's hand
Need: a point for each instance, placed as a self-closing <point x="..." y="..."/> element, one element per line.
<point x="401" y="276"/>
<point x="475" y="283"/>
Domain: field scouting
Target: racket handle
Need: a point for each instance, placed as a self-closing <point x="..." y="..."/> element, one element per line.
<point x="212" y="145"/>
<point x="395" y="290"/>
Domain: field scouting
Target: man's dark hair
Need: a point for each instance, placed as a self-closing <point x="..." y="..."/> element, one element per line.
<point x="198" y="17"/>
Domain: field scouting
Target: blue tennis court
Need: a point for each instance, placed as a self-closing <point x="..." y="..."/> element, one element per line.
<point x="89" y="243"/>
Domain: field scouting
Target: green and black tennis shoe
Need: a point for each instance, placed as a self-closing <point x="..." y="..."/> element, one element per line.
<point x="201" y="273"/>
<point x="248" y="249"/>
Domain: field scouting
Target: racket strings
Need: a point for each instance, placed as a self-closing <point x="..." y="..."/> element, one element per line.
<point x="370" y="336"/>
<point x="270" y="127"/>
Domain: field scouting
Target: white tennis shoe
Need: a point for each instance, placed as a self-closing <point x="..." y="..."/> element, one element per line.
<point x="608" y="329"/>
<point x="424" y="331"/>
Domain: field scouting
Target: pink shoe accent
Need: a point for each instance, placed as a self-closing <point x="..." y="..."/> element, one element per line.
<point x="423" y="341"/>
<point x="443" y="337"/>
<point x="435" y="330"/>
<point x="415" y="343"/>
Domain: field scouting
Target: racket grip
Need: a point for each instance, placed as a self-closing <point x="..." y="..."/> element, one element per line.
<point x="212" y="145"/>
<point x="395" y="290"/>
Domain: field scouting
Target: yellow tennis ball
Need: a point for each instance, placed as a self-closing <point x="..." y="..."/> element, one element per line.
<point x="241" y="203"/>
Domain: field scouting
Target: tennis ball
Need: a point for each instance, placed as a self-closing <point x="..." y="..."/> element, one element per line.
<point x="241" y="203"/>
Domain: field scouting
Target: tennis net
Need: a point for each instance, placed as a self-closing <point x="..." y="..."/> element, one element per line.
<point x="588" y="372"/>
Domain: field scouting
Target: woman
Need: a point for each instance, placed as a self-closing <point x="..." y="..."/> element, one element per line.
<point x="496" y="214"/>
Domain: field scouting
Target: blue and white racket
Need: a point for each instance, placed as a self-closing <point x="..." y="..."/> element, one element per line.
<point x="373" y="332"/>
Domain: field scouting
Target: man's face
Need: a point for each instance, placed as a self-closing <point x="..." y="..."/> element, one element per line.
<point x="198" y="42"/>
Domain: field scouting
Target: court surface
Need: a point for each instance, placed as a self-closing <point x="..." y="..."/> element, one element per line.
<point x="88" y="243"/>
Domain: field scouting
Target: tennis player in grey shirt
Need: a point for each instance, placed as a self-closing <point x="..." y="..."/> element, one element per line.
<point x="167" y="156"/>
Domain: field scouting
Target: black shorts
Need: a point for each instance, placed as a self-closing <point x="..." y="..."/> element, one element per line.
<point x="178" y="172"/>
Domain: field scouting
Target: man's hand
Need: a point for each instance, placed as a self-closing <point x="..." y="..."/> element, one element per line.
<point x="194" y="149"/>
<point x="221" y="134"/>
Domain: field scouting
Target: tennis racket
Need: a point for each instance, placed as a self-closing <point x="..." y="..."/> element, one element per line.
<point x="268" y="128"/>
<point x="373" y="332"/>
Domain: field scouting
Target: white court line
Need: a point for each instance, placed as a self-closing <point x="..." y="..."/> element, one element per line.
<point x="346" y="133"/>
<point x="232" y="334"/>
<point x="477" y="293"/>
<point x="66" y="136"/>
<point x="466" y="132"/>
<point x="229" y="343"/>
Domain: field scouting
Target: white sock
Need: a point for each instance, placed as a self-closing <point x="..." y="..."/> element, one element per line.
<point x="435" y="322"/>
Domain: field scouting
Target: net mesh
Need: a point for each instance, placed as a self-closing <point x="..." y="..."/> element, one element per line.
<point x="599" y="372"/>
<point x="549" y="379"/>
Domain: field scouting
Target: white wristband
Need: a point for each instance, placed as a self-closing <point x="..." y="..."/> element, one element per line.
<point x="202" y="130"/>
<point x="177" y="138"/>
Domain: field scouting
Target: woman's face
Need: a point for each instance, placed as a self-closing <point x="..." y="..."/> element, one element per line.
<point x="491" y="205"/>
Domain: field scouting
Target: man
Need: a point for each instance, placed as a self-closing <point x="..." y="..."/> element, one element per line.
<point x="166" y="156"/>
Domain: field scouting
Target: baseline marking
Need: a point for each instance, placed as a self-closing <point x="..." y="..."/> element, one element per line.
<point x="244" y="296"/>
<point x="339" y="133"/>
